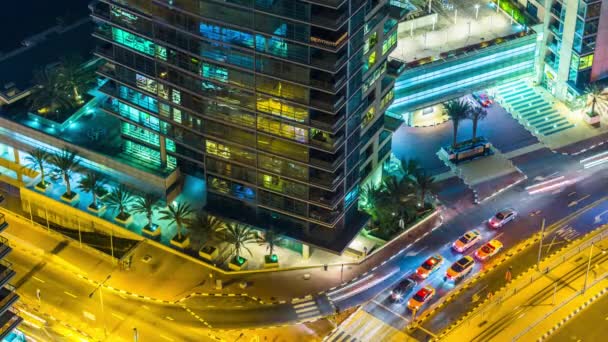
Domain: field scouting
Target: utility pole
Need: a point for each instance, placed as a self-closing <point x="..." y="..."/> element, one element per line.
<point x="103" y="316"/>
<point x="135" y="335"/>
<point x="540" y="243"/>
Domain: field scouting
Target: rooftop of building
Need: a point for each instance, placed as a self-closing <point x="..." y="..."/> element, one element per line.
<point x="17" y="67"/>
<point x="455" y="26"/>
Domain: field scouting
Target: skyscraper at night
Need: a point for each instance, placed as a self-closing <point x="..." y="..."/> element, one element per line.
<point x="277" y="104"/>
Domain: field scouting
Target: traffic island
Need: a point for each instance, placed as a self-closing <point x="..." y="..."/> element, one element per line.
<point x="486" y="177"/>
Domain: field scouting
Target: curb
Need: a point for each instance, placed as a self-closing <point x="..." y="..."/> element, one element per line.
<point x="572" y="314"/>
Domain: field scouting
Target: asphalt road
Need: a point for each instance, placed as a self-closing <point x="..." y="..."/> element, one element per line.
<point x="578" y="188"/>
<point x="588" y="326"/>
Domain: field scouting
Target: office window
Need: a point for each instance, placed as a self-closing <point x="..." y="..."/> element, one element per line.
<point x="134" y="42"/>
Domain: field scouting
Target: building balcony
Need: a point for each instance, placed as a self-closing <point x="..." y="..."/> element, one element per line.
<point x="328" y="39"/>
<point x="328" y="18"/>
<point x="398" y="9"/>
<point x="554" y="27"/>
<point x="327" y="122"/>
<point x="325" y="141"/>
<point x="8" y="297"/>
<point x="4" y="247"/>
<point x="6" y="272"/>
<point x="395" y="68"/>
<point x="328" y="83"/>
<point x="326" y="198"/>
<point x="324" y="215"/>
<point x="325" y="179"/>
<point x="327" y="60"/>
<point x="327" y="102"/>
<point x="8" y="322"/>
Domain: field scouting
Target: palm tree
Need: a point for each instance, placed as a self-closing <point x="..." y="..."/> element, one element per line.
<point x="120" y="198"/>
<point x="74" y="76"/>
<point x="208" y="226"/>
<point x="92" y="183"/>
<point x="179" y="214"/>
<point x="476" y="114"/>
<point x="36" y="160"/>
<point x="370" y="196"/>
<point x="239" y="236"/>
<point x="397" y="188"/>
<point x="48" y="96"/>
<point x="270" y="238"/>
<point x="409" y="167"/>
<point x="64" y="163"/>
<point x="457" y="110"/>
<point x="424" y="181"/>
<point x="596" y="97"/>
<point x="145" y="205"/>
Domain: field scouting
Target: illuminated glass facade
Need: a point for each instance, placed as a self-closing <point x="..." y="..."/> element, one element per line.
<point x="272" y="102"/>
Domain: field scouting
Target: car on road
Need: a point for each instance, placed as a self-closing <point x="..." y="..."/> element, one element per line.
<point x="429" y="266"/>
<point x="502" y="217"/>
<point x="488" y="250"/>
<point x="420" y="298"/>
<point x="482" y="98"/>
<point x="400" y="291"/>
<point x="466" y="241"/>
<point x="460" y="269"/>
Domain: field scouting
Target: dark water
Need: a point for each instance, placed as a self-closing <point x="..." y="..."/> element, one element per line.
<point x="23" y="18"/>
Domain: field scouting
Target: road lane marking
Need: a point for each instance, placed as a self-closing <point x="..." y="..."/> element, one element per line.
<point x="166" y="338"/>
<point x="390" y="310"/>
<point x="40" y="280"/>
<point x="145" y="307"/>
<point x="169" y="318"/>
<point x="70" y="294"/>
<point x="118" y="316"/>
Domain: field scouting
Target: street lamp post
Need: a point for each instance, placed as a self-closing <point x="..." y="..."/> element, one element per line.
<point x="103" y="316"/>
<point x="540" y="244"/>
<point x="589" y="264"/>
<point x="476" y="11"/>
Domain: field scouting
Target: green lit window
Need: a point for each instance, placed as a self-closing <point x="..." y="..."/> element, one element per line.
<point x="170" y="145"/>
<point x="176" y="96"/>
<point x="586" y="62"/>
<point x="165" y="110"/>
<point x="214" y="72"/>
<point x="389" y="42"/>
<point x="161" y="52"/>
<point x="123" y="16"/>
<point x="177" y="115"/>
<point x="371" y="60"/>
<point x="163" y="91"/>
<point x="146" y="83"/>
<point x="370" y="42"/>
<point x="140" y="134"/>
<point x="282" y="129"/>
<point x="132" y="41"/>
<point x="368" y="117"/>
<point x="387" y="98"/>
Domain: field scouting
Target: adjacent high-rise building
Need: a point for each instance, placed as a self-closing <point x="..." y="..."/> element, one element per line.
<point x="277" y="104"/>
<point x="574" y="30"/>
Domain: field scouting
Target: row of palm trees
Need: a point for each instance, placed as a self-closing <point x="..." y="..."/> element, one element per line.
<point x="120" y="199"/>
<point x="459" y="110"/>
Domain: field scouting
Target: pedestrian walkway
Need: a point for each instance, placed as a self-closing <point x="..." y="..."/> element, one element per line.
<point x="363" y="327"/>
<point x="538" y="297"/>
<point x="531" y="108"/>
<point x="306" y="309"/>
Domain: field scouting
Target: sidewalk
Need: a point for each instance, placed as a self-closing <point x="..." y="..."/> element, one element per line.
<point x="169" y="276"/>
<point x="523" y="309"/>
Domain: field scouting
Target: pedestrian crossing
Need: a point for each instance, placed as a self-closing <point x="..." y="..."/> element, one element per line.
<point x="567" y="233"/>
<point x="307" y="309"/>
<point x="364" y="327"/>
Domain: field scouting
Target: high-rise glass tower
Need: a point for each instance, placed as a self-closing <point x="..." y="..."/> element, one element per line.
<point x="277" y="104"/>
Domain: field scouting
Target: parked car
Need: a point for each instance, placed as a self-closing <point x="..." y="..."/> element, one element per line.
<point x="466" y="241"/>
<point x="460" y="269"/>
<point x="488" y="250"/>
<point x="400" y="291"/>
<point x="482" y="98"/>
<point x="420" y="298"/>
<point x="429" y="266"/>
<point x="502" y="217"/>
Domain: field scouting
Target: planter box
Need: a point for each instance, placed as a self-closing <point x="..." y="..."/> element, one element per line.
<point x="152" y="232"/>
<point x="181" y="244"/>
<point x="71" y="201"/>
<point x="43" y="188"/>
<point x="271" y="261"/>
<point x="237" y="265"/>
<point x="99" y="210"/>
<point x="125" y="220"/>
<point x="208" y="253"/>
<point x="592" y="120"/>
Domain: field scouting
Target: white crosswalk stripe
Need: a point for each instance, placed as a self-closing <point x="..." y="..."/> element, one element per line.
<point x="307" y="309"/>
